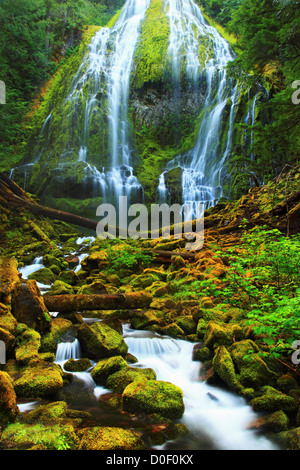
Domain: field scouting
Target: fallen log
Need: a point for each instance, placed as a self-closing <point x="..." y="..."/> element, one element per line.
<point x="78" y="303"/>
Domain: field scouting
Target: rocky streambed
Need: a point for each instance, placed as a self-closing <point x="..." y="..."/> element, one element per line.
<point x="167" y="373"/>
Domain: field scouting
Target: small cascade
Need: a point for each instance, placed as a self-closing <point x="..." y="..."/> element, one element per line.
<point x="68" y="350"/>
<point x="217" y="419"/>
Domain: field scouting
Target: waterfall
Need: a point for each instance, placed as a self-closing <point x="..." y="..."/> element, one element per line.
<point x="203" y="165"/>
<point x="216" y="419"/>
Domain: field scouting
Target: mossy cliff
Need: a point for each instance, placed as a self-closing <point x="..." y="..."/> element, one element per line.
<point x="65" y="129"/>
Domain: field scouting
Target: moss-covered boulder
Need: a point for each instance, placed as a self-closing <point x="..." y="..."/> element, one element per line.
<point x="60" y="288"/>
<point x="96" y="287"/>
<point x="22" y="436"/>
<point x="252" y="369"/>
<point x="289" y="440"/>
<point x="59" y="327"/>
<point x="153" y="396"/>
<point x="37" y="379"/>
<point x="141" y="320"/>
<point x="7" y="320"/>
<point x="109" y="438"/>
<point x="273" y="400"/>
<point x="77" y="365"/>
<point x="106" y="367"/>
<point x="68" y="277"/>
<point x="187" y="324"/>
<point x="223" y="366"/>
<point x="99" y="341"/>
<point x="217" y="334"/>
<point x="43" y="276"/>
<point x="8" y="400"/>
<point x="28" y="342"/>
<point x="274" y="422"/>
<point x="119" y="380"/>
<point x="28" y="307"/>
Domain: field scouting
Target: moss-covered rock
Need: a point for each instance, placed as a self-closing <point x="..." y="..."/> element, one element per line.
<point x="119" y="380"/>
<point x="99" y="341"/>
<point x="187" y="324"/>
<point x="77" y="365"/>
<point x="106" y="367"/>
<point x="8" y="400"/>
<point x="289" y="440"/>
<point x="152" y="396"/>
<point x="25" y="436"/>
<point x="60" y="288"/>
<point x="37" y="379"/>
<point x="7" y="320"/>
<point x="28" y="344"/>
<point x="59" y="326"/>
<point x="252" y="369"/>
<point x="273" y="400"/>
<point x="141" y="320"/>
<point x="110" y="438"/>
<point x="223" y="366"/>
<point x="275" y="422"/>
<point x="96" y="287"/>
<point x="221" y="334"/>
<point x="28" y="307"/>
<point x="43" y="276"/>
<point x="68" y="277"/>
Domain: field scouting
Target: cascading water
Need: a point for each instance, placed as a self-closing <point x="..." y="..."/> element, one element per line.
<point x="202" y="166"/>
<point x="216" y="419"/>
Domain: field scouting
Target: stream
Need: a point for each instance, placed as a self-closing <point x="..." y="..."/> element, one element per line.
<point x="217" y="419"/>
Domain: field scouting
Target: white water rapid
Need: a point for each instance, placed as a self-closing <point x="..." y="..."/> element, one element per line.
<point x="216" y="419"/>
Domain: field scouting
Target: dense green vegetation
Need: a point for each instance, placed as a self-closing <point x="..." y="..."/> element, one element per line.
<point x="36" y="35"/>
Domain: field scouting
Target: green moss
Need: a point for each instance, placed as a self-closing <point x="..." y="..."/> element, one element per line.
<point x="44" y="276"/>
<point x="77" y="365"/>
<point x="224" y="367"/>
<point x="28" y="344"/>
<point x="153" y="396"/>
<point x="110" y="438"/>
<point x="151" y="52"/>
<point x="273" y="400"/>
<point x="99" y="341"/>
<point x="37" y="379"/>
<point x="56" y="437"/>
<point x="60" y="288"/>
<point x="106" y="367"/>
<point x="121" y="379"/>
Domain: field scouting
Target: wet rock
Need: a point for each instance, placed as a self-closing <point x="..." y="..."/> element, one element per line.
<point x="43" y="276"/>
<point x="154" y="396"/>
<point x="109" y="438"/>
<point x="99" y="341"/>
<point x="28" y="307"/>
<point x="106" y="367"/>
<point x="77" y="365"/>
<point x="8" y="400"/>
<point x="37" y="379"/>
<point x="223" y="366"/>
<point x="221" y="334"/>
<point x="59" y="326"/>
<point x="119" y="380"/>
<point x="273" y="400"/>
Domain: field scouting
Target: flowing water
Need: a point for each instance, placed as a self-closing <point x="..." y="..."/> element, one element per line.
<point x="98" y="99"/>
<point x="216" y="419"/>
<point x="203" y="166"/>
